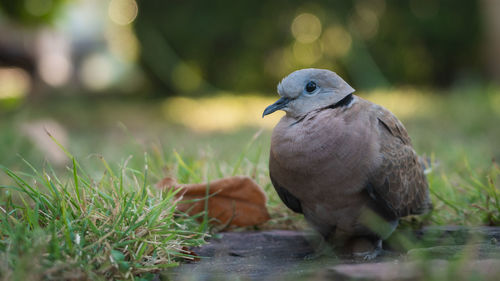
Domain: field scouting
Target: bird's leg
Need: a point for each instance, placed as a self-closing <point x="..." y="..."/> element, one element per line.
<point x="370" y="254"/>
<point x="321" y="248"/>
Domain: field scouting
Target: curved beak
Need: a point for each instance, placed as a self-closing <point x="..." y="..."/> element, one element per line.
<point x="279" y="104"/>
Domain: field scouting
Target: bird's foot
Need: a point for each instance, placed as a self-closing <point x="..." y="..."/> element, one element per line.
<point x="326" y="251"/>
<point x="321" y="249"/>
<point x="370" y="255"/>
<point x="367" y="256"/>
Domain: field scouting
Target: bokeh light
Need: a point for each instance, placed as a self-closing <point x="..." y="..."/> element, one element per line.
<point x="97" y="72"/>
<point x="123" y="43"/>
<point x="14" y="83"/>
<point x="54" y="62"/>
<point x="122" y="12"/>
<point x="307" y="54"/>
<point x="376" y="6"/>
<point x="336" y="41"/>
<point x="55" y="68"/>
<point x="365" y="21"/>
<point x="306" y="28"/>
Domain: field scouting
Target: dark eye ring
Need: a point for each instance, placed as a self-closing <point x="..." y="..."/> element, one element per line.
<point x="310" y="87"/>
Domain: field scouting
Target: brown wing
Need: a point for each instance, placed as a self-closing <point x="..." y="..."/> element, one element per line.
<point x="288" y="198"/>
<point x="399" y="183"/>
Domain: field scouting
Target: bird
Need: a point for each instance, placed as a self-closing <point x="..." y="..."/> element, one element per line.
<point x="345" y="163"/>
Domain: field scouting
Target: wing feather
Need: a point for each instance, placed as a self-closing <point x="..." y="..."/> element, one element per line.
<point x="288" y="198"/>
<point x="399" y="182"/>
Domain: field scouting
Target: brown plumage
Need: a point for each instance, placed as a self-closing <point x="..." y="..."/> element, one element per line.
<point x="343" y="161"/>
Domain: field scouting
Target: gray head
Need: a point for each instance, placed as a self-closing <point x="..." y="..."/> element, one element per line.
<point x="309" y="89"/>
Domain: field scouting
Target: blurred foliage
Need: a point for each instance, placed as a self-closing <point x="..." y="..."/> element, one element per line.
<point x="31" y="12"/>
<point x="428" y="42"/>
<point x="188" y="46"/>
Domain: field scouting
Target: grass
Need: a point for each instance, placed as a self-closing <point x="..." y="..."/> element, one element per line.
<point x="101" y="217"/>
<point x="74" y="226"/>
<point x="471" y="198"/>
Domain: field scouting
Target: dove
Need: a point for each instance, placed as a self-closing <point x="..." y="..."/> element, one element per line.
<point x="345" y="163"/>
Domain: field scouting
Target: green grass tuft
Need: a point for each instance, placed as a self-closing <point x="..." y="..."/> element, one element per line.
<point x="74" y="226"/>
<point x="471" y="197"/>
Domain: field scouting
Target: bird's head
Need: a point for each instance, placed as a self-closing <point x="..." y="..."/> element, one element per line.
<point x="307" y="90"/>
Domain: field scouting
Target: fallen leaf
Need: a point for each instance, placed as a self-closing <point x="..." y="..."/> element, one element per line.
<point x="233" y="201"/>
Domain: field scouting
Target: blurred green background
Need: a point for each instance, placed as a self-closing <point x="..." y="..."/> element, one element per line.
<point x="145" y="89"/>
<point x="115" y="77"/>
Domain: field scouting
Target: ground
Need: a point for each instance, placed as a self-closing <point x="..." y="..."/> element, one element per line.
<point x="279" y="255"/>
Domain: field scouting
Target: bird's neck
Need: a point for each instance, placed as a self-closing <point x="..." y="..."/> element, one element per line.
<point x="346" y="101"/>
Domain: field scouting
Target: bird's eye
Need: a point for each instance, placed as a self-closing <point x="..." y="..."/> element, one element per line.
<point x="310" y="87"/>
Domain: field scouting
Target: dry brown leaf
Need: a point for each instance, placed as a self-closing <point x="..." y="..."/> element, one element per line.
<point x="233" y="201"/>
